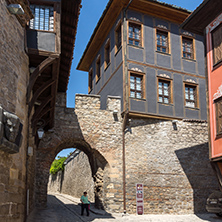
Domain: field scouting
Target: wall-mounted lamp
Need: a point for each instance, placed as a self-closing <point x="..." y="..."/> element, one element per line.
<point x="15" y="9"/>
<point x="40" y="132"/>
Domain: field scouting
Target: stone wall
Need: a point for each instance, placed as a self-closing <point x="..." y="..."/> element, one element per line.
<point x="76" y="178"/>
<point x="14" y="74"/>
<point x="171" y="160"/>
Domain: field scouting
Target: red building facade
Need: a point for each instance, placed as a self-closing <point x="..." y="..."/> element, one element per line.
<point x="207" y="20"/>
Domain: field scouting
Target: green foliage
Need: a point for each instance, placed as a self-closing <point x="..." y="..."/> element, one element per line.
<point x="57" y="165"/>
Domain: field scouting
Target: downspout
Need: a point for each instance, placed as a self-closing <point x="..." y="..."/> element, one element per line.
<point x="126" y="112"/>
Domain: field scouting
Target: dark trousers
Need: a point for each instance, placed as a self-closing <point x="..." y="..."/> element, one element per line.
<point x="85" y="206"/>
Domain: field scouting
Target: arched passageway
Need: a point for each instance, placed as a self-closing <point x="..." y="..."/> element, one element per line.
<point x="99" y="169"/>
<point x="95" y="132"/>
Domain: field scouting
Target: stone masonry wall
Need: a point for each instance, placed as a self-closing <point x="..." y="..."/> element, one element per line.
<point x="172" y="162"/>
<point x="14" y="74"/>
<point x="96" y="132"/>
<point x="76" y="178"/>
<point x="170" y="159"/>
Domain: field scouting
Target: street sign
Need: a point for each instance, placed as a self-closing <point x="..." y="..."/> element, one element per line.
<point x="139" y="198"/>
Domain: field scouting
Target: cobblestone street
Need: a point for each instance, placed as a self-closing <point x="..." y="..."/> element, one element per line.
<point x="64" y="208"/>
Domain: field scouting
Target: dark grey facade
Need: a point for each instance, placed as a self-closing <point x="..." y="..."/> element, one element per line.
<point x="152" y="64"/>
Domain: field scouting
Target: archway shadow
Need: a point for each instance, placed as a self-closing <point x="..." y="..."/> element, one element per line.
<point x="57" y="209"/>
<point x="196" y="165"/>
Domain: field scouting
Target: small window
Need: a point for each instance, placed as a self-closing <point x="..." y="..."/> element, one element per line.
<point x="43" y="17"/>
<point x="90" y="80"/>
<point x="118" y="38"/>
<point x="136" y="86"/>
<point x="187" y="48"/>
<point x="135" y="34"/>
<point x="218" y="104"/>
<point x="162" y="41"/>
<point x="164" y="91"/>
<point x="107" y="54"/>
<point x="98" y="73"/>
<point x="217" y="44"/>
<point x="190" y="96"/>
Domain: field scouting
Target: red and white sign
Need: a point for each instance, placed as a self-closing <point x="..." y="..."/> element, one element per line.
<point x="139" y="198"/>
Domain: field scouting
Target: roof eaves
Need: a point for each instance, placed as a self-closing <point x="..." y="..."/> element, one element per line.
<point x="95" y="30"/>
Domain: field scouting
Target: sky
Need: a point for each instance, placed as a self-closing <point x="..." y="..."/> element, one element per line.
<point x="90" y="13"/>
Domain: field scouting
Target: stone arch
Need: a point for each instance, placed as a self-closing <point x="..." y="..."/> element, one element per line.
<point x="46" y="155"/>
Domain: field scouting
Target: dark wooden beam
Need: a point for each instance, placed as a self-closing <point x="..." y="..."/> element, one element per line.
<point x="38" y="92"/>
<point x="39" y="110"/>
<point x="41" y="67"/>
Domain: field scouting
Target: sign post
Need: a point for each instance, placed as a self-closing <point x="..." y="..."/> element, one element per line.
<point x="139" y="198"/>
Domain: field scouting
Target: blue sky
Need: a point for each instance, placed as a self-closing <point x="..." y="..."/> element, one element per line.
<point x="90" y="13"/>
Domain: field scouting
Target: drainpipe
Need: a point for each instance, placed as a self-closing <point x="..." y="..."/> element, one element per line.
<point x="126" y="112"/>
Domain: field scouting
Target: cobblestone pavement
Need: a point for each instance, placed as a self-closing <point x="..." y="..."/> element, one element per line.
<point x="65" y="208"/>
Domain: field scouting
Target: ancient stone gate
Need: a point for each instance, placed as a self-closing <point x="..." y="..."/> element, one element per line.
<point x="98" y="133"/>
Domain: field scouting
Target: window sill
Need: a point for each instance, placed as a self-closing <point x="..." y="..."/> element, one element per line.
<point x="191" y="60"/>
<point x="168" y="104"/>
<point x="217" y="65"/>
<point x="164" y="53"/>
<point x="193" y="108"/>
<point x="138" y="99"/>
<point x="107" y="66"/>
<point x="136" y="46"/>
<point x="118" y="50"/>
<point x="39" y="30"/>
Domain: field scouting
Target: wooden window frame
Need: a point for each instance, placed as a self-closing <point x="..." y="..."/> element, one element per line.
<point x="170" y="90"/>
<point x="187" y="39"/>
<point x="90" y="81"/>
<point x="118" y="37"/>
<point x="217" y="30"/>
<point x="196" y="99"/>
<point x="218" y="104"/>
<point x="166" y="33"/>
<point x="142" y="91"/>
<point x="47" y="4"/>
<point x="107" y="54"/>
<point x="133" y="39"/>
<point x="98" y="68"/>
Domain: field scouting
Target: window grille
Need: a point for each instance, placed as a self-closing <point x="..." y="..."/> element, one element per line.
<point x="90" y="80"/>
<point x="107" y="54"/>
<point x="217" y="44"/>
<point x="98" y="73"/>
<point x="136" y="89"/>
<point x="164" y="91"/>
<point x="187" y="48"/>
<point x="118" y="38"/>
<point x="43" y="18"/>
<point x="218" y="104"/>
<point x="134" y="34"/>
<point x="190" y="96"/>
<point x="162" y="41"/>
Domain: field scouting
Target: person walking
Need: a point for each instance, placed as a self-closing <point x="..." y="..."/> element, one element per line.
<point x="85" y="203"/>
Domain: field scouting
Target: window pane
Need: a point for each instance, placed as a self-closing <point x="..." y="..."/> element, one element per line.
<point x="130" y="41"/>
<point x="160" y="91"/>
<point x="163" y="49"/>
<point x="138" y="95"/>
<point x="137" y="33"/>
<point x="166" y="92"/>
<point x="160" y="99"/>
<point x="132" y="85"/>
<point x="131" y="32"/>
<point x="132" y="94"/>
<point x="166" y="100"/>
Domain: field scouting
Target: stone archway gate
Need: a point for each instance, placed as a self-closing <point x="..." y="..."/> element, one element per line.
<point x="96" y="132"/>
